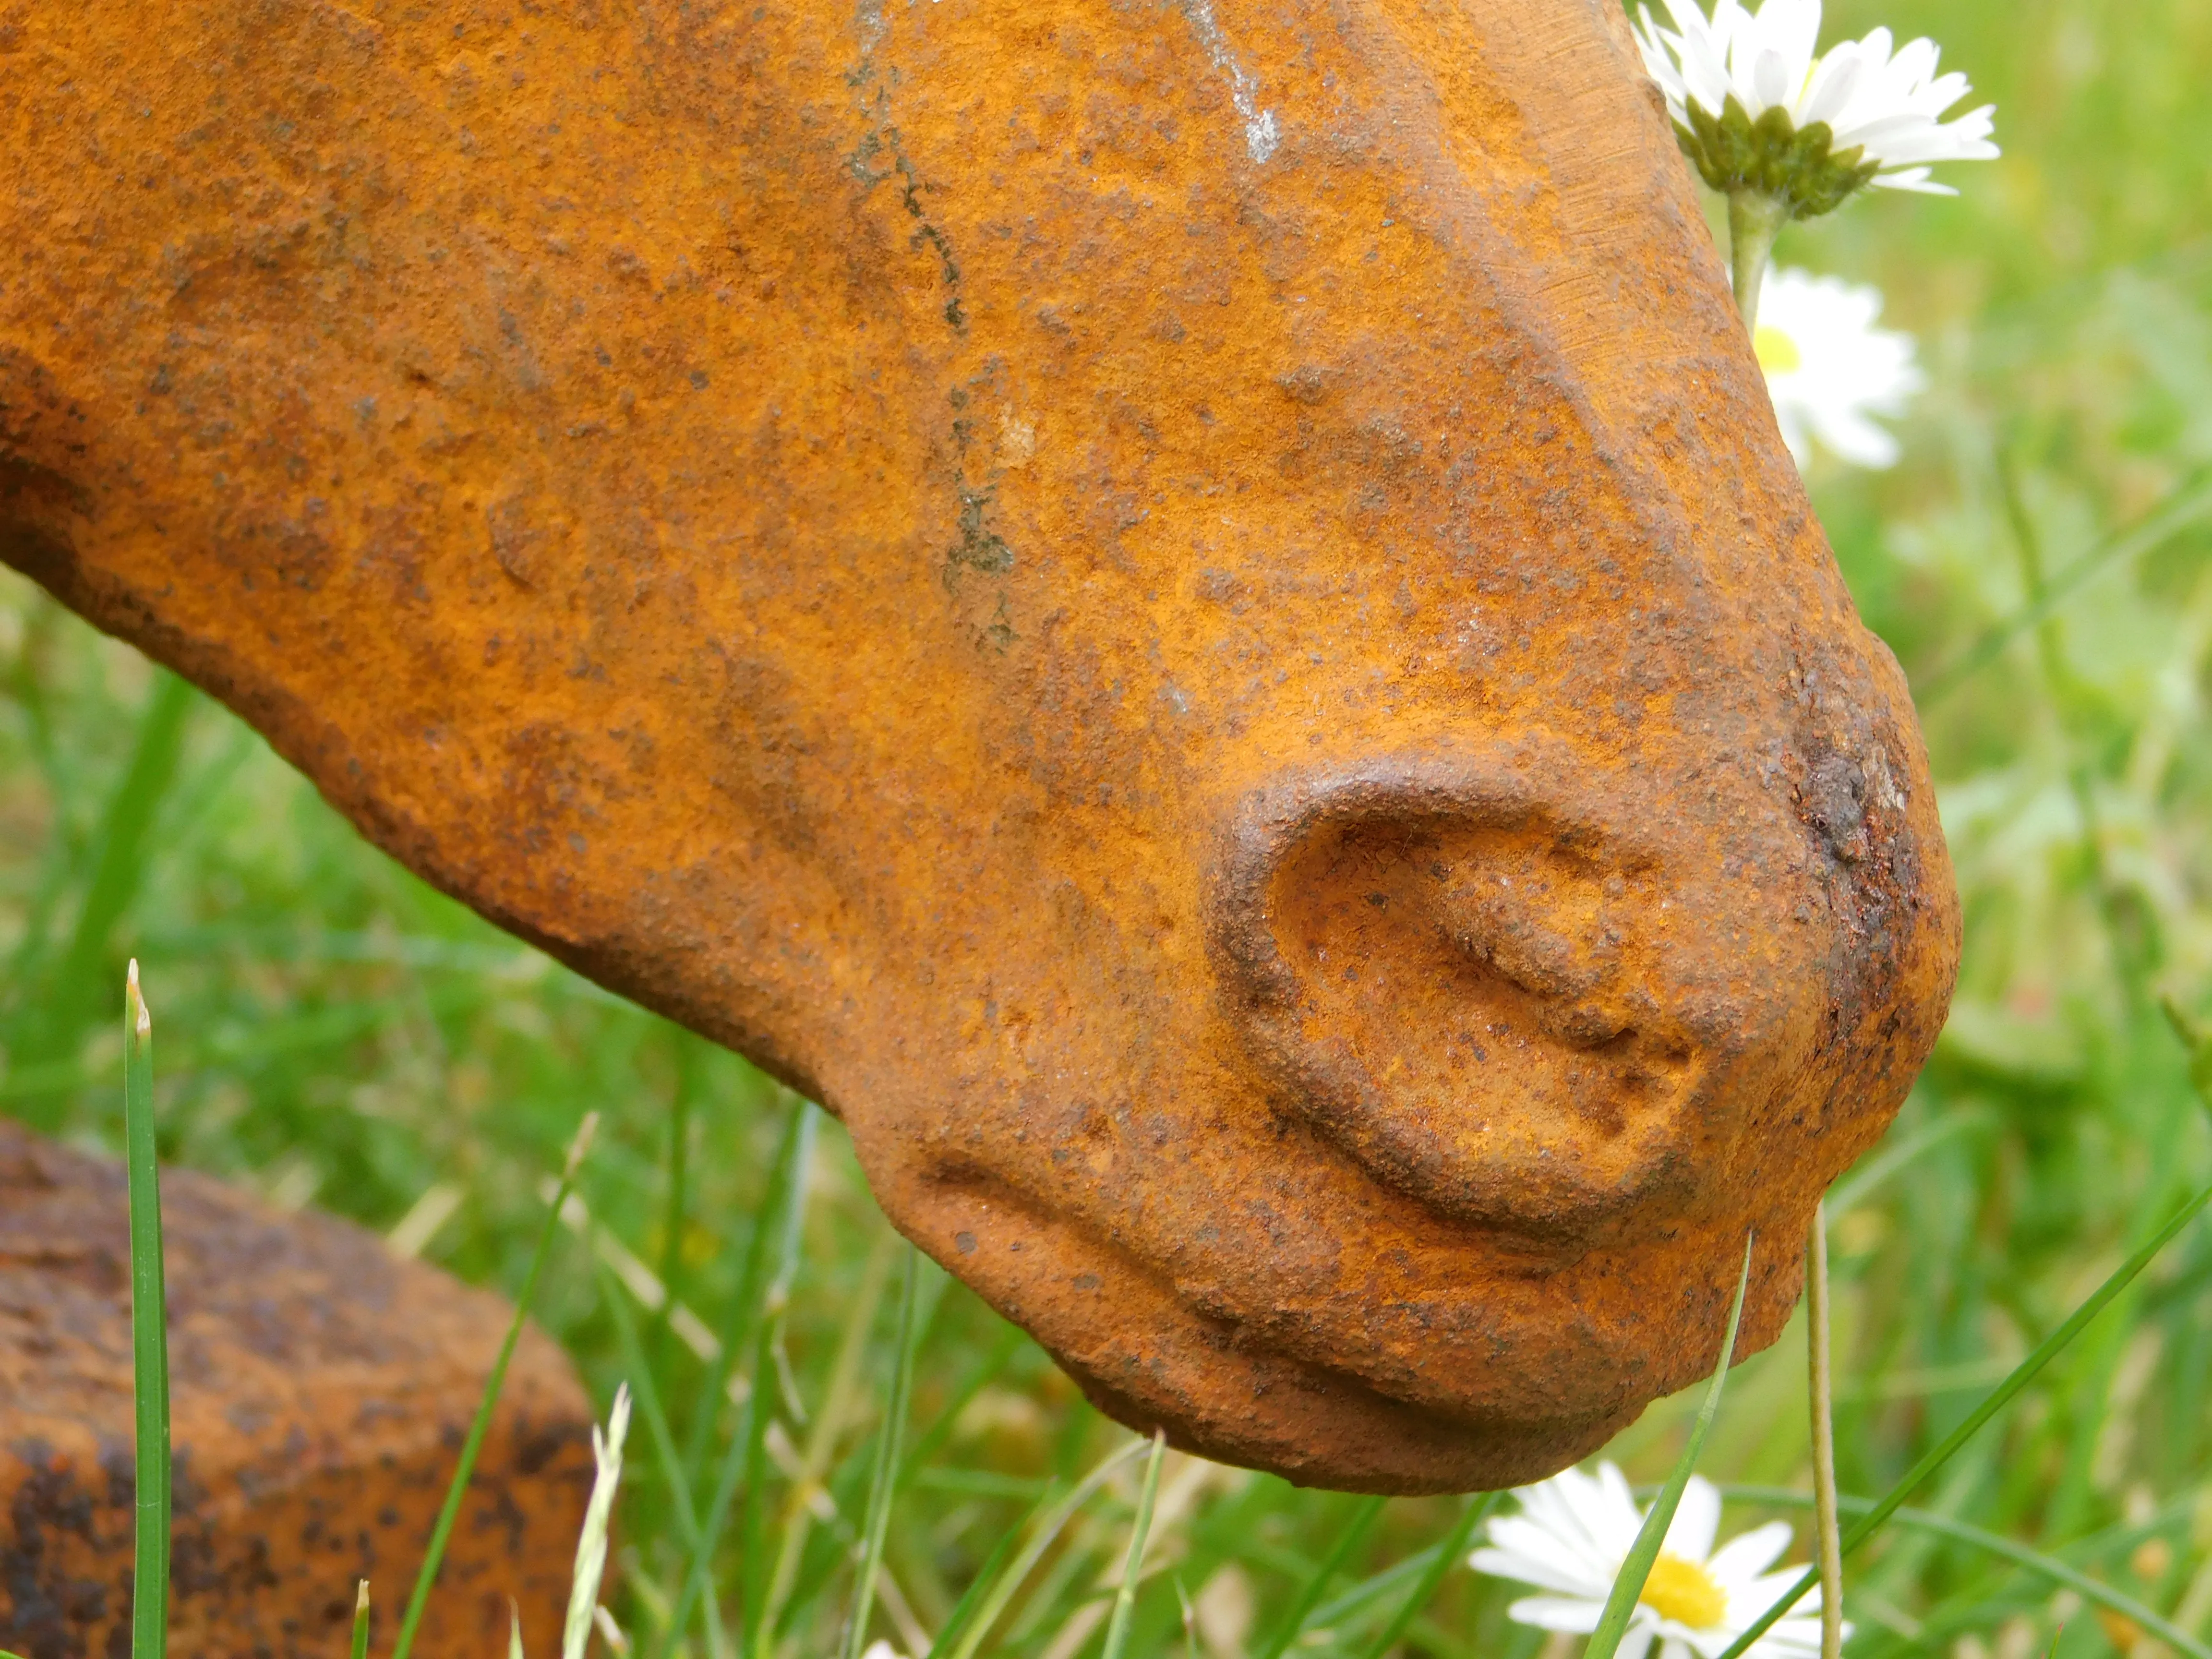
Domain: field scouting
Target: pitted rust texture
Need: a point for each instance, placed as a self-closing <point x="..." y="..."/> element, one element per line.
<point x="319" y="1394"/>
<point x="1192" y="614"/>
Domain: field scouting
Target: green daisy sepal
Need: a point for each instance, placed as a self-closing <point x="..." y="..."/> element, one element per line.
<point x="1734" y="153"/>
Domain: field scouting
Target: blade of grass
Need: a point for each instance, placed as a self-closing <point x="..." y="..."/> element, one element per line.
<point x="2096" y="1360"/>
<point x="985" y="1371"/>
<point x="761" y="1299"/>
<point x="657" y="1429"/>
<point x="1045" y="1526"/>
<point x="1890" y="1157"/>
<point x="1066" y="1601"/>
<point x="643" y="1284"/>
<point x="978" y="1587"/>
<point x="120" y="851"/>
<point x="840" y="1512"/>
<point x="766" y="1614"/>
<point x="1621" y="1606"/>
<point x="648" y="1400"/>
<point x="882" y="1480"/>
<point x="1998" y="1398"/>
<point x="1424" y="1590"/>
<point x="361" y="1622"/>
<point x="149" y="1333"/>
<point x="1355" y="1602"/>
<point x="324" y="1029"/>
<point x="48" y="1021"/>
<point x="740" y="1466"/>
<point x="677" y="1202"/>
<point x="1348" y="1539"/>
<point x="748" y="1305"/>
<point x="2048" y="1567"/>
<point x="474" y="1444"/>
<point x="2184" y="504"/>
<point x="1125" y="1598"/>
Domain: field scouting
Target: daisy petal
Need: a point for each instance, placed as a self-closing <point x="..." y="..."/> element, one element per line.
<point x="1883" y="101"/>
<point x="1914" y="179"/>
<point x="1742" y="1558"/>
<point x="1556" y="1613"/>
<point x="1524" y="1552"/>
<point x="1578" y="1511"/>
<point x="1761" y="1594"/>
<point x="1829" y="91"/>
<point x="1616" y="1520"/>
<point x="1690" y="1536"/>
<point x="1830" y="370"/>
<point x="1770" y="80"/>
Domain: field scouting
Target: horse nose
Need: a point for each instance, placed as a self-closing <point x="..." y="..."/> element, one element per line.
<point x="1489" y="990"/>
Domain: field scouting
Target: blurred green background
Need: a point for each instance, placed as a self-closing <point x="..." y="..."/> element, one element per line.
<point x="333" y="1033"/>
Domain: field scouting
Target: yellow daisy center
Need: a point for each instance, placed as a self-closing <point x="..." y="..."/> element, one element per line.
<point x="1777" y="352"/>
<point x="1684" y="1591"/>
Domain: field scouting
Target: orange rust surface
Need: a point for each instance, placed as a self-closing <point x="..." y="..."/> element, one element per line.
<point x="1191" y="613"/>
<point x="319" y="1394"/>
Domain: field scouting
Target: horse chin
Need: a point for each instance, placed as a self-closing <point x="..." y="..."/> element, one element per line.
<point x="1571" y="1361"/>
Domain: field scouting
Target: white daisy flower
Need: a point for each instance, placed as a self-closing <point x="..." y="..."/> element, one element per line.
<point x="1757" y="108"/>
<point x="1829" y="369"/>
<point x="1574" y="1531"/>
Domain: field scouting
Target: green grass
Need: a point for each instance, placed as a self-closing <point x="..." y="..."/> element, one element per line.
<point x="335" y="1034"/>
<point x="149" y="1337"/>
<point x="1628" y="1587"/>
<point x="426" y="1577"/>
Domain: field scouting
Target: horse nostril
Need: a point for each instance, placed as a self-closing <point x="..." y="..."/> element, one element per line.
<point x="1588" y="1025"/>
<point x="1457" y="981"/>
<point x="1500" y="928"/>
<point x="1520" y="934"/>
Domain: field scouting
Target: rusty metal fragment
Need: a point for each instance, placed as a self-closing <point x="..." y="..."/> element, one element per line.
<point x="1192" y="614"/>
<point x="319" y="1394"/>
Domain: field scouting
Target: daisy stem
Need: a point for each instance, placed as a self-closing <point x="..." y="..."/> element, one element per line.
<point x="1828" y="1528"/>
<point x="1755" y="219"/>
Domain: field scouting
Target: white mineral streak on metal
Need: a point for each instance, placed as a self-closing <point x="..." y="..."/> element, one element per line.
<point x="870" y="17"/>
<point x="1261" y="136"/>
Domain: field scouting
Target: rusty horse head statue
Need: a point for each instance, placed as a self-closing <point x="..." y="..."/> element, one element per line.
<point x="1190" y="612"/>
